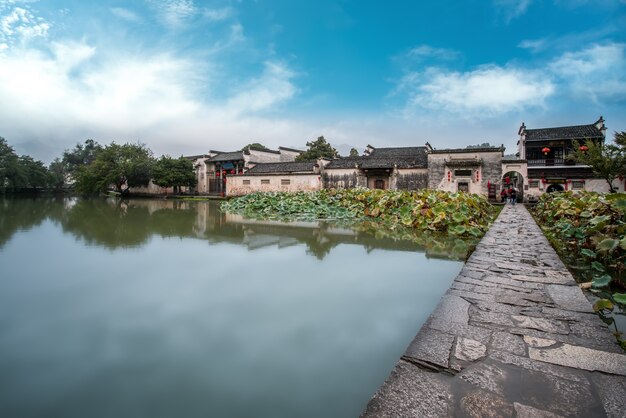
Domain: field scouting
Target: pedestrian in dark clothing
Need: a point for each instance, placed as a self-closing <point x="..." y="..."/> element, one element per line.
<point x="513" y="197"/>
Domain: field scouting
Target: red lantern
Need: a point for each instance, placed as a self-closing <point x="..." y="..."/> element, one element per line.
<point x="583" y="148"/>
<point x="232" y="171"/>
<point x="545" y="150"/>
<point x="217" y="174"/>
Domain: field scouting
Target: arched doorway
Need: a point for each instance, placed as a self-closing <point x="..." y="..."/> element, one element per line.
<point x="554" y="188"/>
<point x="515" y="180"/>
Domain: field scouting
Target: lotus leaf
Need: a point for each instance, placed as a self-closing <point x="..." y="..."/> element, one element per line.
<point x="601" y="281"/>
<point x="602" y="304"/>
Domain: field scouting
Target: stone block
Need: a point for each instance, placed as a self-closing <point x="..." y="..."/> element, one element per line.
<point x="487" y="375"/>
<point x="541" y="324"/>
<point x="525" y="411"/>
<point x="431" y="346"/>
<point x="411" y="392"/>
<point x="469" y="350"/>
<point x="505" y="341"/>
<point x="581" y="358"/>
<point x="570" y="298"/>
<point x="483" y="404"/>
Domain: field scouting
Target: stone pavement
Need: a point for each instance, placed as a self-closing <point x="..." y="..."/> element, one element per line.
<point x="514" y="336"/>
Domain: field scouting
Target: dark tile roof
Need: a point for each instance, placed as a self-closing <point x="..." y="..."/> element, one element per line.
<point x="405" y="157"/>
<point x="513" y="161"/>
<point x="287" y="167"/>
<point x="563" y="132"/>
<point x="290" y="149"/>
<point x="226" y="156"/>
<point x="466" y="150"/>
<point x="346" y="162"/>
<point x="415" y="152"/>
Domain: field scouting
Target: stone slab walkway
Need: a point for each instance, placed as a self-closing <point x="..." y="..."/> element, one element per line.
<point x="514" y="336"/>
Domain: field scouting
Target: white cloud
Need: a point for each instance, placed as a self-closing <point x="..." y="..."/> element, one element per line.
<point x="272" y="87"/>
<point x="511" y="9"/>
<point x="125" y="14"/>
<point x="174" y="13"/>
<point x="216" y="15"/>
<point x="426" y="51"/>
<point x="70" y="54"/>
<point x="20" y="26"/>
<point x="535" y="45"/>
<point x="486" y="91"/>
<point x="596" y="72"/>
<point x="75" y="91"/>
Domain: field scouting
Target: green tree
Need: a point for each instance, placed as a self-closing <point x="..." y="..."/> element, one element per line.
<point x="174" y="172"/>
<point x="9" y="166"/>
<point x="318" y="149"/>
<point x="81" y="156"/>
<point x="120" y="166"/>
<point x="33" y="173"/>
<point x="354" y="152"/>
<point x="607" y="161"/>
<point x="255" y="146"/>
<point x="58" y="174"/>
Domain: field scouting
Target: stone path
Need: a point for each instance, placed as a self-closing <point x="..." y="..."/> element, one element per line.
<point x="514" y="336"/>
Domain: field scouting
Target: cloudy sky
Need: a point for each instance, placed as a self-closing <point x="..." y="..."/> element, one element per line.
<point x="186" y="76"/>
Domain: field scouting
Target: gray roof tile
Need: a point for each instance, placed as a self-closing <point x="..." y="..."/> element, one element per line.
<point x="564" y="132"/>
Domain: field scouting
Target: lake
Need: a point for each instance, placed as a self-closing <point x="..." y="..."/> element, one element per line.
<point x="168" y="308"/>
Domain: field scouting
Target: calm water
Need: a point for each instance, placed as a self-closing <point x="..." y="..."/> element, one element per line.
<point x="171" y="309"/>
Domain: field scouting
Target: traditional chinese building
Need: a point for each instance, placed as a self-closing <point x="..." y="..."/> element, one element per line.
<point x="547" y="154"/>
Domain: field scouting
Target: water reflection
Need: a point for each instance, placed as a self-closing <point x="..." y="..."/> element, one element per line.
<point x="152" y="308"/>
<point x="115" y="223"/>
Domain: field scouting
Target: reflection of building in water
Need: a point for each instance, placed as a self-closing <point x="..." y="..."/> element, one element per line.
<point x="131" y="223"/>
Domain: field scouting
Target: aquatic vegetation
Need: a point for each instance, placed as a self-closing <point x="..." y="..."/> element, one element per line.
<point x="445" y="224"/>
<point x="588" y="230"/>
<point x="459" y="214"/>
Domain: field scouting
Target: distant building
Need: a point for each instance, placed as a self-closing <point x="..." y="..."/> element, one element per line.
<point x="214" y="168"/>
<point x="471" y="170"/>
<point x="541" y="165"/>
<point x="547" y="155"/>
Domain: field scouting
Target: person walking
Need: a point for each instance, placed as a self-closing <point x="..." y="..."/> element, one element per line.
<point x="513" y="196"/>
<point x="503" y="197"/>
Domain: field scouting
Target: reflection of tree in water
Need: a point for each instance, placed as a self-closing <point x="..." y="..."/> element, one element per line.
<point x="115" y="223"/>
<point x="23" y="213"/>
<point x="120" y="224"/>
<point x="108" y="223"/>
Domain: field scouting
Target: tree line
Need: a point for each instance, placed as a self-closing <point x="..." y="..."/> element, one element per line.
<point x="91" y="168"/>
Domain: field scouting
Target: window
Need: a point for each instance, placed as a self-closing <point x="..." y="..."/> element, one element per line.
<point x="463" y="173"/>
<point x="463" y="187"/>
<point x="285" y="182"/>
<point x="246" y="182"/>
<point x="578" y="185"/>
<point x="265" y="181"/>
<point x="533" y="183"/>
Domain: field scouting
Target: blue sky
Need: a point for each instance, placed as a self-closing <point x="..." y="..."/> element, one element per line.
<point x="186" y="76"/>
